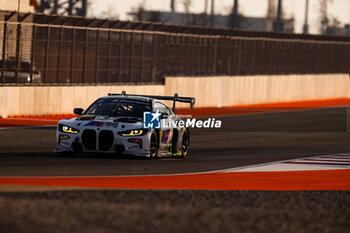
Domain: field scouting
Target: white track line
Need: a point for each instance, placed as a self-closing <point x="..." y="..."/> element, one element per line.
<point x="302" y="164"/>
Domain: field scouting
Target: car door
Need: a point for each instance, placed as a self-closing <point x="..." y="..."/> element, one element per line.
<point x="165" y="132"/>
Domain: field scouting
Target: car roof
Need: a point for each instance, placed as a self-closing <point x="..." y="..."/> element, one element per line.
<point x="130" y="97"/>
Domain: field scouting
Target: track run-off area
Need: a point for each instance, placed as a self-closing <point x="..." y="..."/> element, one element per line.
<point x="296" y="146"/>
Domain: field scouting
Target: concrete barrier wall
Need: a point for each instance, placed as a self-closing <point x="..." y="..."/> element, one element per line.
<point x="209" y="92"/>
<point x="51" y="100"/>
<point x="244" y="90"/>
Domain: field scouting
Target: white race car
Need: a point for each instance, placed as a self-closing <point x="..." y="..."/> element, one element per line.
<point x="115" y="124"/>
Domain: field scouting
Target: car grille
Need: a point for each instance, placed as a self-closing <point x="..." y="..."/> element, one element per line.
<point x="88" y="139"/>
<point x="105" y="140"/>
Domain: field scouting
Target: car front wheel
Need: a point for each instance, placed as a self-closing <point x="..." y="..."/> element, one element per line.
<point x="153" y="147"/>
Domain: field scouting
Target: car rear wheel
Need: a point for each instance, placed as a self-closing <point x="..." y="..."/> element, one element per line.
<point x="153" y="147"/>
<point x="185" y="142"/>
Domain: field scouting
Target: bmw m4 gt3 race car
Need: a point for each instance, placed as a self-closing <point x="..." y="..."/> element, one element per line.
<point x="125" y="125"/>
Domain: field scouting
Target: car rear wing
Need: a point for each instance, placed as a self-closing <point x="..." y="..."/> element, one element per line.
<point x="175" y="98"/>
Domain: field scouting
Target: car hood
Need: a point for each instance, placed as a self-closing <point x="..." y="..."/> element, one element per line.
<point x="104" y="122"/>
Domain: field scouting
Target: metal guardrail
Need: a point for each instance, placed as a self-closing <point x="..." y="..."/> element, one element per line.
<point x="74" y="50"/>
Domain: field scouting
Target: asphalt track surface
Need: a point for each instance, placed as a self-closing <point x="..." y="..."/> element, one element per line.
<point x="243" y="140"/>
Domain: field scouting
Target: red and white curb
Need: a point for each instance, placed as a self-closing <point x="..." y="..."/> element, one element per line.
<point x="322" y="162"/>
<point x="324" y="172"/>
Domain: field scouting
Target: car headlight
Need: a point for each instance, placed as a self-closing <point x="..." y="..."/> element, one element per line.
<point x="134" y="132"/>
<point x="67" y="129"/>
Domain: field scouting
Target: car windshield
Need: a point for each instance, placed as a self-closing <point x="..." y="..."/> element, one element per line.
<point x="116" y="107"/>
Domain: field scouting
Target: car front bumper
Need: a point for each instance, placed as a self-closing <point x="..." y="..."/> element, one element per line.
<point x="120" y="145"/>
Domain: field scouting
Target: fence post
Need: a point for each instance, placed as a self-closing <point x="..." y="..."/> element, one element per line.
<point x="4" y="50"/>
<point x="32" y="52"/>
<point x="18" y="45"/>
<point x="6" y="19"/>
<point x="215" y="55"/>
<point x="97" y="55"/>
<point x="154" y="38"/>
<point x="47" y="52"/>
<point x="120" y="57"/>
<point x="109" y="57"/>
<point x="142" y="57"/>
<point x="59" y="55"/>
<point x="131" y="56"/>
<point x="72" y="58"/>
<point x="85" y="54"/>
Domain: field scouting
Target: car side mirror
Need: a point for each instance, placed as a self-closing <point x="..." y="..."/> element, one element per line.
<point x="164" y="115"/>
<point x="78" y="111"/>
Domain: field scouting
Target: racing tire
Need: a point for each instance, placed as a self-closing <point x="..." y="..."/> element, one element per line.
<point x="185" y="142"/>
<point x="153" y="146"/>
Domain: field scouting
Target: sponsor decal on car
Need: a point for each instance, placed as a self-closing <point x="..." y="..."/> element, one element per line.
<point x="95" y="123"/>
<point x="111" y="124"/>
<point x="86" y="118"/>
